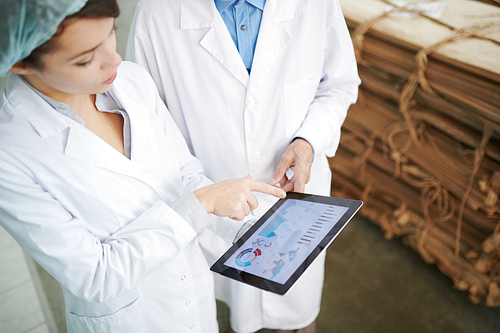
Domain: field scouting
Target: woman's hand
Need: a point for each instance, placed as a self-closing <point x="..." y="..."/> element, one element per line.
<point x="234" y="198"/>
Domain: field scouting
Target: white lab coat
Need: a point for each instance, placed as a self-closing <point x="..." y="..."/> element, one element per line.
<point x="113" y="231"/>
<point x="303" y="80"/>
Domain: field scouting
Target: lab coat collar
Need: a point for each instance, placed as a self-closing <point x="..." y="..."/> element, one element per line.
<point x="85" y="146"/>
<point x="197" y="14"/>
<point x="46" y="120"/>
<point x="222" y="5"/>
<point x="80" y="143"/>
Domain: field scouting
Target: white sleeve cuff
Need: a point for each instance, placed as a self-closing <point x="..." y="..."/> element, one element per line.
<point x="190" y="209"/>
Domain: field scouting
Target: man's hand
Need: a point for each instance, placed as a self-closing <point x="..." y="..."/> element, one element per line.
<point x="234" y="198"/>
<point x="298" y="157"/>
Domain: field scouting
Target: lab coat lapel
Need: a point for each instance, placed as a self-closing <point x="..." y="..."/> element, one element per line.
<point x="273" y="37"/>
<point x="144" y="150"/>
<point x="85" y="146"/>
<point x="197" y="14"/>
<point x="81" y="144"/>
<point x="142" y="141"/>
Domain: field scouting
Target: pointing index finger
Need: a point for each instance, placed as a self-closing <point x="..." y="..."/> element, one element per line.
<point x="268" y="189"/>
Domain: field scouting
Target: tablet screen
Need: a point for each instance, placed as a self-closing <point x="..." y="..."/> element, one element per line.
<point x="285" y="241"/>
<point x="282" y="244"/>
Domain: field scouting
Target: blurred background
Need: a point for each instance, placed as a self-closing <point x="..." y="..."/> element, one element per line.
<point x="420" y="148"/>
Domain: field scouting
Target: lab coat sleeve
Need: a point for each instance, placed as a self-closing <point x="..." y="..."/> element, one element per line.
<point x="90" y="268"/>
<point x="192" y="175"/>
<point x="191" y="210"/>
<point x="337" y="90"/>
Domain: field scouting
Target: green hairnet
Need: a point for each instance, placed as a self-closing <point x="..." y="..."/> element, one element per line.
<point x="27" y="24"/>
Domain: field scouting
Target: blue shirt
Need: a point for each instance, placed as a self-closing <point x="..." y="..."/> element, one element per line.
<point x="242" y="18"/>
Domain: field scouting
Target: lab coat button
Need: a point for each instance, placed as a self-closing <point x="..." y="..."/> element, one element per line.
<point x="183" y="278"/>
<point x="251" y="104"/>
<point x="256" y="155"/>
<point x="191" y="327"/>
<point x="188" y="302"/>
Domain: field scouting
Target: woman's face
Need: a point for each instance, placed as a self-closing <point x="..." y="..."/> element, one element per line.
<point x="84" y="61"/>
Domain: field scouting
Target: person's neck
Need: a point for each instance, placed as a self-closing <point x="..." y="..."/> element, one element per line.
<point x="79" y="103"/>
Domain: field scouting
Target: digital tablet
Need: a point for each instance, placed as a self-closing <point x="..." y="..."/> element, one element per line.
<point x="280" y="246"/>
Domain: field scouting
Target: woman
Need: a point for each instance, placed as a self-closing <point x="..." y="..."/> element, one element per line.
<point x="97" y="183"/>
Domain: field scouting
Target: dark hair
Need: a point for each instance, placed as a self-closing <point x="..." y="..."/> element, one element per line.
<point x="92" y="9"/>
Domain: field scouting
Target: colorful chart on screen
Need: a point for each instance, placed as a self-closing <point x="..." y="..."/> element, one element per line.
<point x="286" y="240"/>
<point x="288" y="237"/>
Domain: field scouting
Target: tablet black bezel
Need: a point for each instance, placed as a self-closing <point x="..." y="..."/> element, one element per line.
<point x="281" y="289"/>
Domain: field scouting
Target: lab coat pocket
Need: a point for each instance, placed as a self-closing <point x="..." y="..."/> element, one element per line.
<point x="298" y="97"/>
<point x="127" y="319"/>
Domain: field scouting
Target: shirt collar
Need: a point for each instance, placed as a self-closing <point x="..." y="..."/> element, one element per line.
<point x="223" y="5"/>
<point x="257" y="3"/>
<point x="104" y="102"/>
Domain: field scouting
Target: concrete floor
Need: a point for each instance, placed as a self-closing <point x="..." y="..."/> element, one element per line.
<point x="372" y="285"/>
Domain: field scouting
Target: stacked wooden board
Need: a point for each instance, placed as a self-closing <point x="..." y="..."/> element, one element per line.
<point x="421" y="146"/>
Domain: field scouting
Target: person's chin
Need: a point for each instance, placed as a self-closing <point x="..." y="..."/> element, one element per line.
<point x="101" y="89"/>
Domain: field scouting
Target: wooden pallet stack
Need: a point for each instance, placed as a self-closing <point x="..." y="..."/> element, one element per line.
<point x="421" y="147"/>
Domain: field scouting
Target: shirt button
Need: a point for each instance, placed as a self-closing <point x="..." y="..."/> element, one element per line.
<point x="243" y="27"/>
<point x="256" y="155"/>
